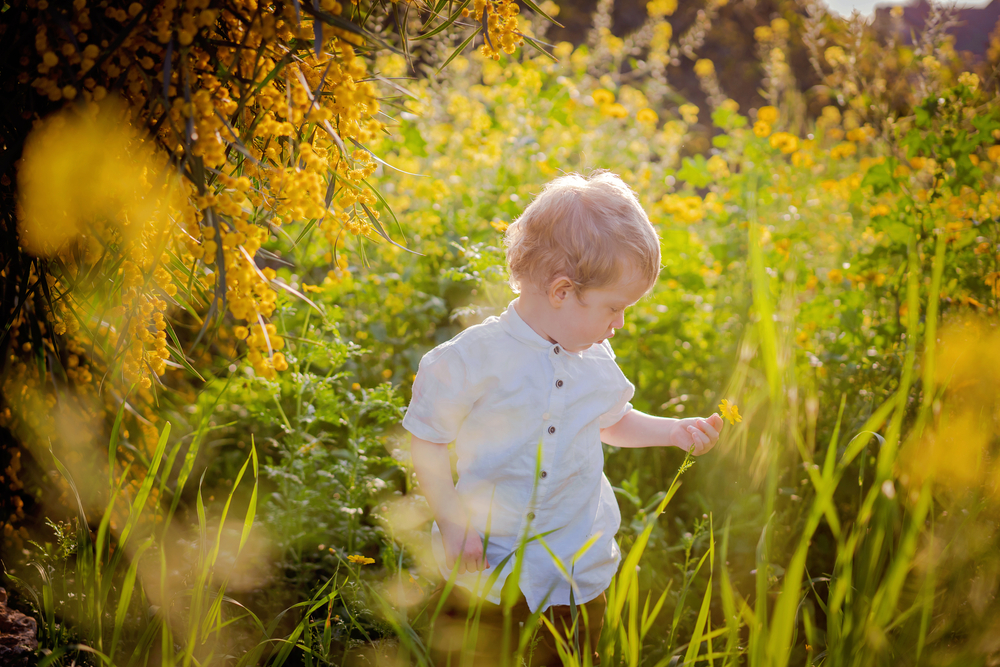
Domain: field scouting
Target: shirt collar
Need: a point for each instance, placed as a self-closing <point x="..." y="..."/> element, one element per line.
<point x="519" y="329"/>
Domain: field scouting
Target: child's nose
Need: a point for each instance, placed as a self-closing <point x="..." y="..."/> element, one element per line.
<point x="619" y="321"/>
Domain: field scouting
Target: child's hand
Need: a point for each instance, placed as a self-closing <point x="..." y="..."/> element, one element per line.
<point x="466" y="547"/>
<point x="697" y="435"/>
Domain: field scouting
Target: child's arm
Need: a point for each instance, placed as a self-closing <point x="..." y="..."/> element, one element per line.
<point x="637" y="429"/>
<point x="433" y="467"/>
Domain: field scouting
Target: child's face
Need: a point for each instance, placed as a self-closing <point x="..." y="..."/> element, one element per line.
<point x="581" y="322"/>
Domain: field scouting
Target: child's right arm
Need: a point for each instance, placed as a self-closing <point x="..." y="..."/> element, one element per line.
<point x="461" y="542"/>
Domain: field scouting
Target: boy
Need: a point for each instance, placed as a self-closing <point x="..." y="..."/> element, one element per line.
<point x="541" y="380"/>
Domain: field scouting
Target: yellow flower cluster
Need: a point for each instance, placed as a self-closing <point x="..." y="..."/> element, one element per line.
<point x="687" y="210"/>
<point x="787" y="143"/>
<point x="704" y="67"/>
<point x="689" y="113"/>
<point x="499" y="18"/>
<point x="251" y="139"/>
<point x="227" y="121"/>
<point x="660" y="8"/>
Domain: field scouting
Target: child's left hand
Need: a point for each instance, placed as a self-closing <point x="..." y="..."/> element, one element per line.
<point x="696" y="434"/>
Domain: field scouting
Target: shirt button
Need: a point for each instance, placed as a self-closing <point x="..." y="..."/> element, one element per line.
<point x="552" y="429"/>
<point x="545" y="474"/>
<point x="531" y="515"/>
<point x="556" y="349"/>
<point x="559" y="383"/>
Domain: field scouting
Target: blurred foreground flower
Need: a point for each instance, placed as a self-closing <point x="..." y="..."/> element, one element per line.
<point x="88" y="177"/>
<point x="730" y="411"/>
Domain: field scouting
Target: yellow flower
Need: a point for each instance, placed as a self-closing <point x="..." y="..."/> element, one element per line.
<point x="858" y="134"/>
<point x="689" y="113"/>
<point x="763" y="33"/>
<point x="615" y="110"/>
<point x="761" y="129"/>
<point x="717" y="166"/>
<point x="661" y="8"/>
<point x="730" y="411"/>
<point x="835" y="55"/>
<point x="769" y="115"/>
<point x="646" y="115"/>
<point x="360" y="560"/>
<point x="788" y="143"/>
<point x="602" y="97"/>
<point x="969" y="79"/>
<point x="800" y="159"/>
<point x="704" y="67"/>
<point x="661" y="37"/>
<point x="845" y="149"/>
<point x="993" y="153"/>
<point x="879" y="209"/>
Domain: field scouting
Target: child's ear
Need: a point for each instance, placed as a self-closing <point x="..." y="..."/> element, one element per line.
<point x="560" y="289"/>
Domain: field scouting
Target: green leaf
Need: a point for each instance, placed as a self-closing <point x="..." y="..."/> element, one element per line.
<point x="451" y="19"/>
<point x="881" y="179"/>
<point x="413" y="140"/>
<point x="695" y="171"/>
<point x="461" y="47"/>
<point x="538" y="10"/>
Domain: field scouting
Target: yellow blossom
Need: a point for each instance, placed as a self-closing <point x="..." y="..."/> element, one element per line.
<point x="763" y="33"/>
<point x="835" y="55"/>
<point x="841" y="150"/>
<point x="689" y="113"/>
<point x="788" y="143"/>
<point x="768" y="114"/>
<point x="761" y="129"/>
<point x="802" y="159"/>
<point x="730" y="411"/>
<point x="602" y="97"/>
<point x="969" y="79"/>
<point x="360" y="560"/>
<point x="661" y="8"/>
<point x="662" y="33"/>
<point x="780" y="27"/>
<point x="704" y="67"/>
<point x="646" y="115"/>
<point x="993" y="153"/>
<point x="717" y="167"/>
<point x="615" y="110"/>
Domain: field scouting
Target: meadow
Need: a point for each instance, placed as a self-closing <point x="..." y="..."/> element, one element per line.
<point x="212" y="350"/>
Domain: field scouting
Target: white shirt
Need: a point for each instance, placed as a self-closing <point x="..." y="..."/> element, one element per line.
<point x="500" y="391"/>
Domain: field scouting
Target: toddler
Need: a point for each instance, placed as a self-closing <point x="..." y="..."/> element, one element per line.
<point x="529" y="396"/>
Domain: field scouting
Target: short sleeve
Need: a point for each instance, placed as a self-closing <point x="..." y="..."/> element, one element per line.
<point x="441" y="397"/>
<point x="622" y="389"/>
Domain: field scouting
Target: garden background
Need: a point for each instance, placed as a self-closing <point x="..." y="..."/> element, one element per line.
<point x="231" y="230"/>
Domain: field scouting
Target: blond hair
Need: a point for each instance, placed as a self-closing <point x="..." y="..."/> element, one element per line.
<point x="592" y="230"/>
